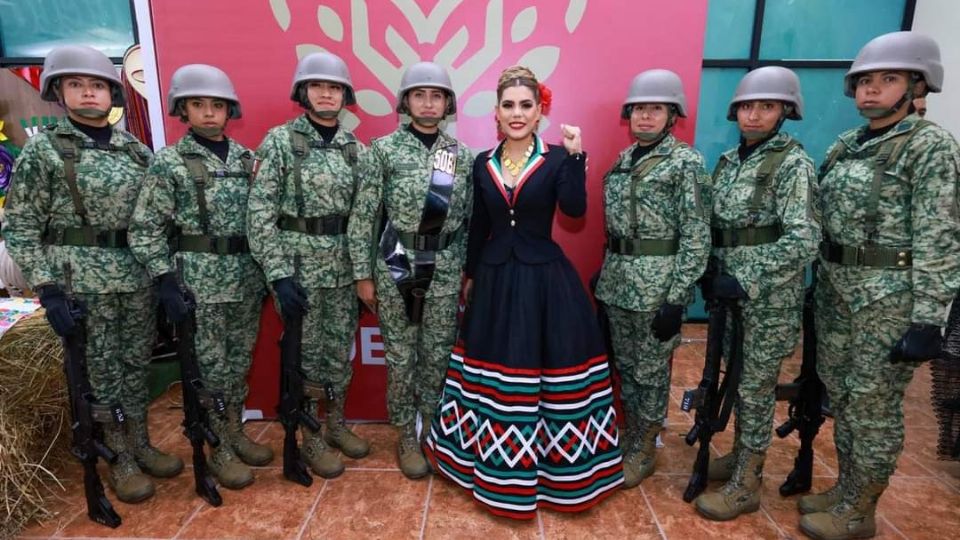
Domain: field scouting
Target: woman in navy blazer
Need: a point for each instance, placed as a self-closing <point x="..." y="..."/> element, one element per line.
<point x="526" y="419"/>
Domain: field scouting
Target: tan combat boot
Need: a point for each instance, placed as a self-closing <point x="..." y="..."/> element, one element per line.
<point x="322" y="460"/>
<point x="224" y="464"/>
<point x="151" y="460"/>
<point x="823" y="502"/>
<point x="640" y="459"/>
<point x="741" y="495"/>
<point x="338" y="435"/>
<point x="125" y="477"/>
<point x="248" y="451"/>
<point x="721" y="468"/>
<point x="853" y="517"/>
<point x="412" y="463"/>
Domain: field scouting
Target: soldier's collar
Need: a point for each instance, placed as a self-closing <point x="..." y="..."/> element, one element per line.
<point x="908" y="123"/>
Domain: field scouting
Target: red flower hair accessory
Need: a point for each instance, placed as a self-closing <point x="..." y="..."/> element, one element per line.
<point x="546" y="98"/>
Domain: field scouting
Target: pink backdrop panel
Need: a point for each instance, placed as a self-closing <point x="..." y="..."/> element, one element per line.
<point x="585" y="51"/>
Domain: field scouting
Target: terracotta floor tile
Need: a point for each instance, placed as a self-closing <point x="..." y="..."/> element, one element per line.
<point x="453" y="513"/>
<point x="694" y="331"/>
<point x="680" y="520"/>
<point x="369" y="504"/>
<point x="272" y="508"/>
<point x="921" y="508"/>
<point x="64" y="504"/>
<point x="383" y="447"/>
<point x="372" y="499"/>
<point x="675" y="458"/>
<point x="161" y="516"/>
<point x="624" y="515"/>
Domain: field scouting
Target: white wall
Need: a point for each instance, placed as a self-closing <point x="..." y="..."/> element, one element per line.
<point x="940" y="19"/>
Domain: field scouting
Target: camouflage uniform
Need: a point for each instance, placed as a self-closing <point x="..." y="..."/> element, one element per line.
<point x="671" y="201"/>
<point x="863" y="310"/>
<point x="228" y="288"/>
<point x="395" y="177"/>
<point x="770" y="273"/>
<point x="121" y="322"/>
<point x="325" y="271"/>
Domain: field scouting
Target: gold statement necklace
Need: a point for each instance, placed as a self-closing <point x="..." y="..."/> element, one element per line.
<point x="516" y="166"/>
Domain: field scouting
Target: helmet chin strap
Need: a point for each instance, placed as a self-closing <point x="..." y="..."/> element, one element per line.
<point x="208" y="132"/>
<point x="429" y="121"/>
<point x="91" y="114"/>
<point x="878" y="113"/>
<point x="657" y="136"/>
<point x="760" y="135"/>
<point x="326" y="115"/>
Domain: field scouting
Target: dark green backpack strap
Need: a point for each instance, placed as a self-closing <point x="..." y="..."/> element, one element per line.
<point x="69" y="152"/>
<point x="246" y="158"/>
<point x="768" y="168"/>
<point x="838" y="153"/>
<point x="351" y="150"/>
<point x="888" y="153"/>
<point x="300" y="146"/>
<point x="636" y="175"/>
<point x="198" y="174"/>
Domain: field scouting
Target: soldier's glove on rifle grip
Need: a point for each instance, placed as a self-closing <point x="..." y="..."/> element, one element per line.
<point x="666" y="323"/>
<point x="172" y="298"/>
<point x="919" y="343"/>
<point x="54" y="300"/>
<point x="292" y="297"/>
<point x="726" y="287"/>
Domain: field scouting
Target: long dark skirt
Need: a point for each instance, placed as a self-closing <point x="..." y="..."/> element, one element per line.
<point x="526" y="419"/>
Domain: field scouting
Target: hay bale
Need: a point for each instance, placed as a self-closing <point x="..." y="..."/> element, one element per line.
<point x="34" y="422"/>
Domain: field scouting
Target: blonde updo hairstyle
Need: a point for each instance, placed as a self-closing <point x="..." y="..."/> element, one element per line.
<point x="518" y="76"/>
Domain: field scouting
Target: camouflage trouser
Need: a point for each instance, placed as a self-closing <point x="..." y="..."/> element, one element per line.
<point x="328" y="332"/>
<point x="225" y="336"/>
<point x="643" y="363"/>
<point x="769" y="336"/>
<point x="865" y="389"/>
<point x="417" y="355"/>
<point x="121" y="332"/>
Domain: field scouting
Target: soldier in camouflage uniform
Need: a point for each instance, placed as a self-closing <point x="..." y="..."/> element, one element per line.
<point x="764" y="232"/>
<point x="73" y="193"/>
<point x="418" y="326"/>
<point x="198" y="188"/>
<point x="890" y="265"/>
<point x="658" y="241"/>
<point x="299" y="207"/>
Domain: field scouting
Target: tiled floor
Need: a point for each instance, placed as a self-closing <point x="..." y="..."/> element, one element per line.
<point x="373" y="500"/>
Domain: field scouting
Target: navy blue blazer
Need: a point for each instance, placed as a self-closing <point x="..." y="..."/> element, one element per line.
<point x="499" y="228"/>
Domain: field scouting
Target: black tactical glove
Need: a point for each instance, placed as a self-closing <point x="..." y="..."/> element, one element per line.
<point x="920" y="342"/>
<point x="171" y="298"/>
<point x="666" y="323"/>
<point x="292" y="297"/>
<point x="726" y="287"/>
<point x="54" y="301"/>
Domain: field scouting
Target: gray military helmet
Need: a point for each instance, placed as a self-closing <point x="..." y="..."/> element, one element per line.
<point x="898" y="51"/>
<point x="656" y="86"/>
<point x="79" y="60"/>
<point x="769" y="83"/>
<point x="201" y="80"/>
<point x="426" y="75"/>
<point x="323" y="66"/>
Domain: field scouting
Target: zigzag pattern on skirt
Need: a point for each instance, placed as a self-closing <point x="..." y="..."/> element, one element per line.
<point x="523" y="438"/>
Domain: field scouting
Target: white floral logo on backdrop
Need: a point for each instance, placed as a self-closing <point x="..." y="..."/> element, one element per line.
<point x="425" y="29"/>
